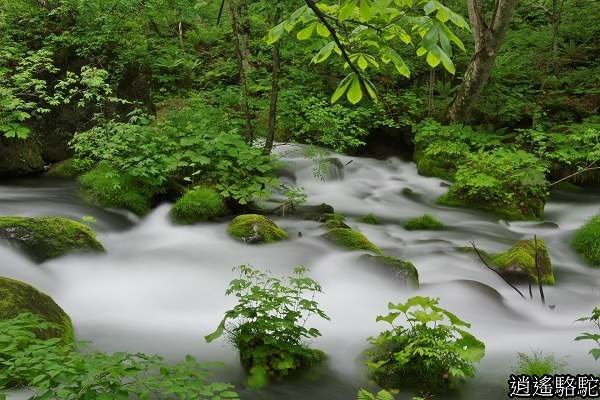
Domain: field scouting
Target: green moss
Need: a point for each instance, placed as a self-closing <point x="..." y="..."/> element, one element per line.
<point x="17" y="297"/>
<point x="404" y="269"/>
<point x="43" y="238"/>
<point x="520" y="259"/>
<point x="424" y="222"/>
<point x="586" y="241"/>
<point x="254" y="228"/>
<point x="428" y="165"/>
<point x="370" y="219"/>
<point x="199" y="204"/>
<point x="334" y="221"/>
<point x="65" y="169"/>
<point x="510" y="212"/>
<point x="351" y="239"/>
<point x="107" y="187"/>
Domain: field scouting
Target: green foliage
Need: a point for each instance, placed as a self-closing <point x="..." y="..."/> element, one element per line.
<point x="254" y="228"/>
<point x="424" y="222"/>
<point x="56" y="371"/>
<point x="364" y="394"/>
<point x="43" y="238"/>
<point x="268" y="323"/>
<point x="538" y="364"/>
<point x="295" y="196"/>
<point x="192" y="144"/>
<point x="511" y="184"/>
<point x="586" y="241"/>
<point x="594" y="318"/>
<point x="433" y="353"/>
<point x="371" y="33"/>
<point x="198" y="204"/>
<point x="351" y="240"/>
<point x="109" y="187"/>
<point x="66" y="169"/>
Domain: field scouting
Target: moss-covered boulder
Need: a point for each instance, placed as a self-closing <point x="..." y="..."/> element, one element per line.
<point x="20" y="156"/>
<point x="351" y="240"/>
<point x="586" y="241"/>
<point x="334" y="220"/>
<point x="254" y="228"/>
<point x="370" y="219"/>
<point x="43" y="238"/>
<point x="424" y="222"/>
<point x="197" y="205"/>
<point x="107" y="187"/>
<point x="17" y="297"/>
<point x="66" y="169"/>
<point x="518" y="262"/>
<point x="405" y="270"/>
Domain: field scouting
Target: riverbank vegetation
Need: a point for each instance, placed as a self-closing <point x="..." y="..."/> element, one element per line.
<point x="187" y="102"/>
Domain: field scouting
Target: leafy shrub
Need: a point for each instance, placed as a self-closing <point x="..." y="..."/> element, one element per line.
<point x="108" y="187"/>
<point x="192" y="145"/>
<point x="594" y="318"/>
<point x="538" y="364"/>
<point x="267" y="325"/>
<point x="424" y="222"/>
<point x="199" y="204"/>
<point x="586" y="241"/>
<point x="56" y="371"/>
<point x="433" y="353"/>
<point x="511" y="184"/>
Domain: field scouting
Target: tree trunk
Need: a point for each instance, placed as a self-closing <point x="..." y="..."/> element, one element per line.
<point x="240" y="27"/>
<point x="272" y="122"/>
<point x="488" y="40"/>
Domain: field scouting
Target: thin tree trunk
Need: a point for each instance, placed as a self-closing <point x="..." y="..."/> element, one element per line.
<point x="488" y="40"/>
<point x="272" y="122"/>
<point x="557" y="8"/>
<point x="240" y="27"/>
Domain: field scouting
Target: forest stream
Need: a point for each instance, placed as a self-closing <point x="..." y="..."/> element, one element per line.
<point x="160" y="287"/>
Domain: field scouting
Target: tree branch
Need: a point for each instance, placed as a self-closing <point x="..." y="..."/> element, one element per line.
<point x="492" y="269"/>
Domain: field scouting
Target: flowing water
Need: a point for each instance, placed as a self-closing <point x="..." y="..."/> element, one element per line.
<point x="160" y="287"/>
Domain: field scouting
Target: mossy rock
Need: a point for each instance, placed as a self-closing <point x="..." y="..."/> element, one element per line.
<point x="20" y="156"/>
<point x="108" y="187"/>
<point x="424" y="222"/>
<point x="518" y="262"/>
<point x="18" y="297"/>
<point x="43" y="238"/>
<point x="334" y="220"/>
<point x="511" y="212"/>
<point x="254" y="228"/>
<point x="351" y="240"/>
<point x="65" y="169"/>
<point x="586" y="241"/>
<point x="197" y="205"/>
<point x="370" y="219"/>
<point x="434" y="166"/>
<point x="403" y="269"/>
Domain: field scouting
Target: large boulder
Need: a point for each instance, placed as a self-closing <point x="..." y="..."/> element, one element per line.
<point x="43" y="238"/>
<point x="586" y="241"/>
<point x="17" y="297"/>
<point x="20" y="157"/>
<point x="402" y="269"/>
<point x="197" y="205"/>
<point x="518" y="262"/>
<point x="255" y="228"/>
<point x="351" y="240"/>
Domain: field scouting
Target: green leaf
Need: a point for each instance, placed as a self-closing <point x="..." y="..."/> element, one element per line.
<point x="322" y="30"/>
<point x="306" y="32"/>
<point x="365" y="10"/>
<point x="347" y="10"/>
<point x="341" y="89"/>
<point x="275" y="33"/>
<point x="217" y="333"/>
<point x="355" y="93"/>
<point x="324" y="53"/>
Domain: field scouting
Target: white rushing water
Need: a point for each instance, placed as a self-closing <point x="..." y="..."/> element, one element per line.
<point x="160" y="287"/>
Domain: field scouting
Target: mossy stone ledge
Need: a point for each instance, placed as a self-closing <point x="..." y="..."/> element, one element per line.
<point x="197" y="205"/>
<point x="370" y="218"/>
<point x="17" y="297"/>
<point x="67" y="169"/>
<point x="403" y="269"/>
<point x="351" y="240"/>
<point x="43" y="238"/>
<point x="586" y="241"/>
<point x="518" y="262"/>
<point x="255" y="228"/>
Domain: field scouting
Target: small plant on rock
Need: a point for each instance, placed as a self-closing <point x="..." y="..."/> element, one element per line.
<point x="267" y="325"/>
<point x="594" y="337"/>
<point x="432" y="354"/>
<point x="538" y="364"/>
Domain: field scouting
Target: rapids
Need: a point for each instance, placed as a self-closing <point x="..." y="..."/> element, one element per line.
<point x="160" y="287"/>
